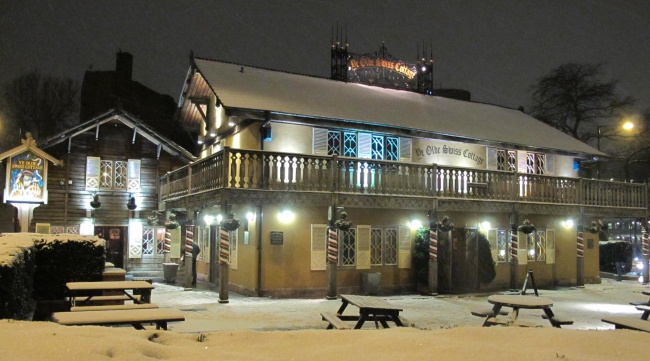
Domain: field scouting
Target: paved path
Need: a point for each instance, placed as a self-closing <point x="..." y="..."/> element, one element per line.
<point x="586" y="305"/>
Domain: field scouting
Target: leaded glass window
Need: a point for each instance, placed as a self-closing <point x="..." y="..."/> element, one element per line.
<point x="377" y="147"/>
<point x="530" y="238"/>
<point x="502" y="246"/>
<point x="535" y="163"/>
<point x="512" y="161"/>
<point x="502" y="159"/>
<point x="390" y="246"/>
<point x="148" y="241"/>
<point x="106" y="174"/>
<point x="120" y="174"/>
<point x="349" y="144"/>
<point x="333" y="143"/>
<point x="348" y="247"/>
<point x="540" y="245"/>
<point x="376" y="243"/>
<point x="392" y="148"/>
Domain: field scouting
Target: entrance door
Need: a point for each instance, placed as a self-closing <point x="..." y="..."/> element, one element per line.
<point x="464" y="260"/>
<point x="214" y="254"/>
<point x="115" y="238"/>
<point x="444" y="262"/>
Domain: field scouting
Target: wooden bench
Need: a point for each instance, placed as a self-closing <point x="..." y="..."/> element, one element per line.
<point x="646" y="311"/>
<point x="558" y="321"/>
<point x="102" y="300"/>
<point x="488" y="313"/>
<point x="640" y="303"/>
<point x="135" y="318"/>
<point x="334" y="321"/>
<point x="622" y="322"/>
<point x="140" y="306"/>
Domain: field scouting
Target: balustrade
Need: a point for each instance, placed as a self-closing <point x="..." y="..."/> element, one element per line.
<point x="253" y="169"/>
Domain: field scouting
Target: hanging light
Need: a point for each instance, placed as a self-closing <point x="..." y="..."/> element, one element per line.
<point x="131" y="203"/>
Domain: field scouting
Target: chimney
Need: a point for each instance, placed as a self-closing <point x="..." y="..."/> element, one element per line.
<point x="124" y="66"/>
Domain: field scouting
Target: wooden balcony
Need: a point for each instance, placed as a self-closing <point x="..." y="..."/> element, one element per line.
<point x="252" y="170"/>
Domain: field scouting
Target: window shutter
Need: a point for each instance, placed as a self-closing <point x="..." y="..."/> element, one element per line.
<point x="523" y="247"/>
<point x="405" y="149"/>
<point x="522" y="162"/>
<point x="404" y="252"/>
<point x="550" y="246"/>
<point x="492" y="159"/>
<point x="550" y="164"/>
<point x="318" y="247"/>
<point x="363" y="247"/>
<point x="175" y="251"/>
<point x="492" y="238"/>
<point x="365" y="145"/>
<point x="234" y="248"/>
<point x="135" y="240"/>
<point x="320" y="141"/>
<point x="92" y="173"/>
<point x="43" y="228"/>
<point x="134" y="175"/>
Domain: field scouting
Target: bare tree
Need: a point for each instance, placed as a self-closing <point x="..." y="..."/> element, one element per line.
<point x="636" y="150"/>
<point x="575" y="99"/>
<point x="41" y="104"/>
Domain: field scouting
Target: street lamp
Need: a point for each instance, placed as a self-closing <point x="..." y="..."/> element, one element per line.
<point x="627" y="126"/>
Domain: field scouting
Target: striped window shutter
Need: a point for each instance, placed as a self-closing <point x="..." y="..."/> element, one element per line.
<point x="43" y="228"/>
<point x="523" y="247"/>
<point x="550" y="245"/>
<point x="234" y="248"/>
<point x="404" y="251"/>
<point x="492" y="159"/>
<point x="92" y="173"/>
<point x="133" y="174"/>
<point x="318" y="247"/>
<point x="492" y="238"/>
<point x="320" y="141"/>
<point x="550" y="164"/>
<point x="405" y="149"/>
<point x="522" y="162"/>
<point x="363" y="247"/>
<point x="365" y="145"/>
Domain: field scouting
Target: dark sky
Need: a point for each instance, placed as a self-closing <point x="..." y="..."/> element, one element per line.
<point x="494" y="49"/>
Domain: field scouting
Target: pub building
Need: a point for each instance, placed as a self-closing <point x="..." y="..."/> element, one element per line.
<point x="286" y="155"/>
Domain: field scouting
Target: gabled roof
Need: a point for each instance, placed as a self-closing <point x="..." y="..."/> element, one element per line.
<point x="29" y="144"/>
<point x="132" y="122"/>
<point x="245" y="87"/>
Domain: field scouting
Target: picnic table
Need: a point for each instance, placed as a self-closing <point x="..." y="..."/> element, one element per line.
<point x="642" y="303"/>
<point x="517" y="302"/>
<point x="135" y="318"/>
<point x="83" y="292"/>
<point x="370" y="308"/>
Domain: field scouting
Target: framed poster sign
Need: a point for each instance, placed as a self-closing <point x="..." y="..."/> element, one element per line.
<point x="26" y="178"/>
<point x="277" y="238"/>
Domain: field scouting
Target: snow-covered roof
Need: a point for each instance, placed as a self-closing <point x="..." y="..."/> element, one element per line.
<point x="247" y="87"/>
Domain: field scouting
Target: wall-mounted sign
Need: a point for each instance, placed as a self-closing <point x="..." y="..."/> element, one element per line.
<point x="277" y="238"/>
<point x="449" y="153"/>
<point x="381" y="68"/>
<point x="26" y="178"/>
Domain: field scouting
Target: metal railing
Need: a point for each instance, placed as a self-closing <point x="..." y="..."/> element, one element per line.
<point x="254" y="169"/>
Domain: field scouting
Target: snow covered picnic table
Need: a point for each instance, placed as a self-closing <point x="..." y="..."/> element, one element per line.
<point x="82" y="292"/>
<point x="135" y="317"/>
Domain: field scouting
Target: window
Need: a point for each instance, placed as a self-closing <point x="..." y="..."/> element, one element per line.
<point x="361" y="145"/>
<point x="107" y="174"/>
<point x="348" y="247"/>
<point x="383" y="246"/>
<point x="502" y="246"/>
<point x="234" y="235"/>
<point x="537" y="246"/>
<point x="535" y="163"/>
<point x="153" y="240"/>
<point x="506" y="160"/>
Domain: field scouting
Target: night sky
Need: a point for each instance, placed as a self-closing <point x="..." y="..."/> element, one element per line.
<point x="494" y="49"/>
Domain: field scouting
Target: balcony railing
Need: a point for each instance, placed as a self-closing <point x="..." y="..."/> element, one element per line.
<point x="253" y="169"/>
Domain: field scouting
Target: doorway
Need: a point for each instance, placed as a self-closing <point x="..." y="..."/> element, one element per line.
<point x="461" y="271"/>
<point x="115" y="239"/>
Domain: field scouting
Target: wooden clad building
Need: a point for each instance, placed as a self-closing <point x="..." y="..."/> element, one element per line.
<point x="118" y="159"/>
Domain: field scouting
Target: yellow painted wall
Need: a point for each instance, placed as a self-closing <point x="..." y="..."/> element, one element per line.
<point x="245" y="275"/>
<point x="290" y="138"/>
<point x="248" y="138"/>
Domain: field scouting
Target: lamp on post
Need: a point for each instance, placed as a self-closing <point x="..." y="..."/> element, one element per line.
<point x="627" y="126"/>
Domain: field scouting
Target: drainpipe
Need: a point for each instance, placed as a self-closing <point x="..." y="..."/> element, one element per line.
<point x="258" y="288"/>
